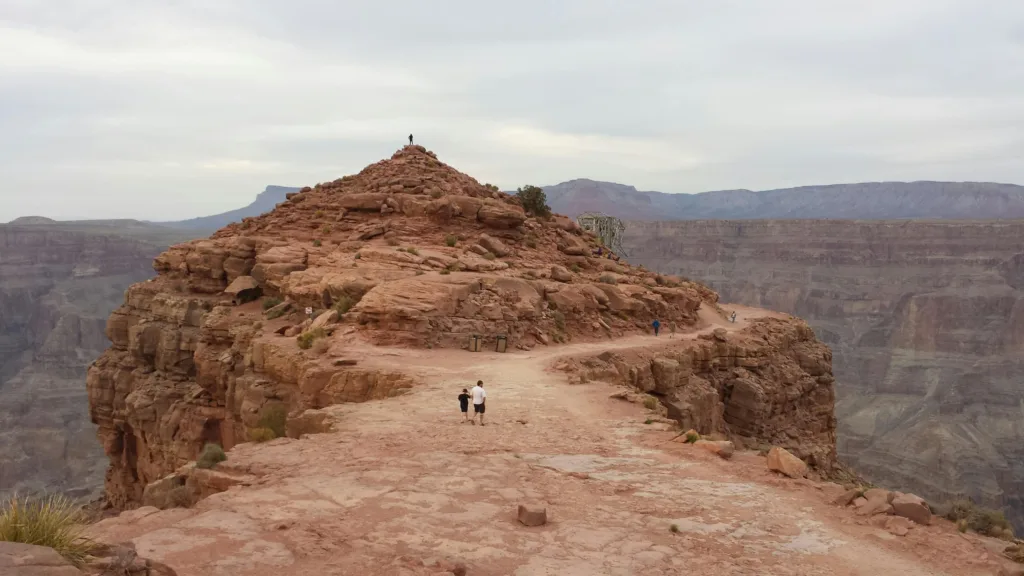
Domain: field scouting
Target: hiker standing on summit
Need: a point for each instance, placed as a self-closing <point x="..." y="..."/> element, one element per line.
<point x="410" y="139"/>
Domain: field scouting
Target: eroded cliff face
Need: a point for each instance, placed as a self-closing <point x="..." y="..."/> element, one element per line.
<point x="58" y="284"/>
<point x="408" y="252"/>
<point x="925" y="321"/>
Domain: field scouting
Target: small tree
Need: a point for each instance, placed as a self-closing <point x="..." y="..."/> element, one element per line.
<point x="534" y="201"/>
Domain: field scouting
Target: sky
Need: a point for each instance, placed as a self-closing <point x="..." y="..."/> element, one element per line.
<point x="170" y="109"/>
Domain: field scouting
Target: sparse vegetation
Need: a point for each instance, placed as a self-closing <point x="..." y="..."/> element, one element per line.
<point x="984" y="521"/>
<point x="651" y="403"/>
<point x="445" y="272"/>
<point x="345" y="303"/>
<point x="692" y="437"/>
<point x="648" y="421"/>
<point x="275" y="419"/>
<point x="608" y="279"/>
<point x="674" y="528"/>
<point x="534" y="201"/>
<point x="179" y="497"/>
<point x="451" y="240"/>
<point x="317" y="243"/>
<point x="659" y="280"/>
<point x="559" y="338"/>
<point x="272" y="314"/>
<point x="307" y="338"/>
<point x="413" y="251"/>
<point x="318" y="214"/>
<point x="358" y="256"/>
<point x="52" y="521"/>
<point x="211" y="455"/>
<point x="575" y="268"/>
<point x="261" y="435"/>
<point x="531" y="242"/>
<point x="270" y="302"/>
<point x="489" y="256"/>
<point x="325" y="229"/>
<point x="492" y="187"/>
<point x="559" y="320"/>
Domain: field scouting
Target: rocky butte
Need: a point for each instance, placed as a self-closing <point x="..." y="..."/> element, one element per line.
<point x="404" y="267"/>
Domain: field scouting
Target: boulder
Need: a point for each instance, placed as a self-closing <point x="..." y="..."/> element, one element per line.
<point x="24" y="559"/>
<point x="867" y="507"/>
<point x="494" y="246"/>
<point x="879" y="494"/>
<point x="846" y="498"/>
<point x="912" y="507"/>
<point x="723" y="448"/>
<point x="898" y="525"/>
<point x="560" y="274"/>
<point x="321" y="321"/>
<point x="532" y="514"/>
<point x="780" y="460"/>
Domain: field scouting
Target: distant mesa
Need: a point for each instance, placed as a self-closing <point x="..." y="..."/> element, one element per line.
<point x="863" y="201"/>
<point x="33" y="221"/>
<point x="265" y="202"/>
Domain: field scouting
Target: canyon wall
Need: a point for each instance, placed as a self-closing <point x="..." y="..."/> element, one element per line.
<point x="926" y="323"/>
<point x="58" y="284"/>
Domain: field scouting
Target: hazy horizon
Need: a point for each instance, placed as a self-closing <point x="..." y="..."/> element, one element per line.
<point x="117" y="109"/>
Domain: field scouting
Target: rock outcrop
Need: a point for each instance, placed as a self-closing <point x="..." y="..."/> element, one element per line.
<point x="408" y="252"/>
<point x="770" y="384"/>
<point x="58" y="283"/>
<point x="924" y="322"/>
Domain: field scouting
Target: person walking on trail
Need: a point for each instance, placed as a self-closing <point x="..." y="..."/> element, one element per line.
<point x="671" y="328"/>
<point x="479" y="401"/>
<point x="657" y="326"/>
<point x="464" y="404"/>
<point x="734" y="317"/>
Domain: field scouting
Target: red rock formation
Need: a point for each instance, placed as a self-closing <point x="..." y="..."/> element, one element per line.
<point x="408" y="252"/>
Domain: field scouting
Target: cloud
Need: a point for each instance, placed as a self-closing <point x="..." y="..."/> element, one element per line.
<point x="118" y="108"/>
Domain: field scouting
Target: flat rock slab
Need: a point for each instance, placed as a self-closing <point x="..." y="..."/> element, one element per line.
<point x="532" y="514"/>
<point x="18" y="559"/>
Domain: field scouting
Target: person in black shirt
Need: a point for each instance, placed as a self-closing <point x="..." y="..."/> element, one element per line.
<point x="464" y="404"/>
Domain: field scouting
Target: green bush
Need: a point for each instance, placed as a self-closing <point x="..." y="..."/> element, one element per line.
<point x="345" y="303"/>
<point x="317" y="243"/>
<point x="692" y="437"/>
<point x="211" y="455"/>
<point x="318" y="214"/>
<point x="325" y="229"/>
<point x="651" y="403"/>
<point x="534" y="201"/>
<point x="269" y="303"/>
<point x="180" y="497"/>
<point x="275" y="419"/>
<point x="306" y="339"/>
<point x="272" y="314"/>
<point x="451" y="240"/>
<point x="489" y="256"/>
<point x="261" y="435"/>
<point x="413" y="251"/>
<point x="575" y="268"/>
<point x="52" y="521"/>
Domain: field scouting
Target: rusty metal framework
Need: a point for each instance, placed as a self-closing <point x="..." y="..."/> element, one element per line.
<point x="608" y="228"/>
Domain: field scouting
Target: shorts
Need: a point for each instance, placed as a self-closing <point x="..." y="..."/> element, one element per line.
<point x="464" y="407"/>
<point x="478" y="408"/>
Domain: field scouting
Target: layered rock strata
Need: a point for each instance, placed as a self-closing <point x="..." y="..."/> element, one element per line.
<point x="924" y="319"/>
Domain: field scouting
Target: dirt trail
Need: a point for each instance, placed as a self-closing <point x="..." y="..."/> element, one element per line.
<point x="403" y="483"/>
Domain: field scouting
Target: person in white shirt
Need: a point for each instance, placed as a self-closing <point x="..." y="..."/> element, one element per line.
<point x="479" y="401"/>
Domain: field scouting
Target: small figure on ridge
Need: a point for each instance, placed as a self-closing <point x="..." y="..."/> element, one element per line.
<point x="410" y="139"/>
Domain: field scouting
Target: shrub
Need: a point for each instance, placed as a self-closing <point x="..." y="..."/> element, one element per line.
<point x="413" y="251"/>
<point x="52" y="521"/>
<point x="659" y="280"/>
<point x="989" y="522"/>
<point x="648" y="421"/>
<point x="559" y="320"/>
<point x="325" y="229"/>
<point x="489" y="256"/>
<point x="674" y="528"/>
<point x="692" y="437"/>
<point x="575" y="268"/>
<point x="393" y="242"/>
<point x="492" y="187"/>
<point x="959" y="510"/>
<point x="180" y="497"/>
<point x="211" y="455"/>
<point x="435" y="193"/>
<point x="318" y="214"/>
<point x="451" y="240"/>
<point x="275" y="419"/>
<point x="534" y="201"/>
<point x="345" y="303"/>
<point x="608" y="279"/>
<point x="306" y="339"/>
<point x="317" y="243"/>
<point x="269" y="303"/>
<point x="651" y="403"/>
<point x="261" y="435"/>
<point x="272" y="314"/>
<point x="358" y="256"/>
<point x="445" y="272"/>
<point x="531" y="242"/>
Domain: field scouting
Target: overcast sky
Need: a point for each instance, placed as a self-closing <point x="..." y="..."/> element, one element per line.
<point x="176" y="108"/>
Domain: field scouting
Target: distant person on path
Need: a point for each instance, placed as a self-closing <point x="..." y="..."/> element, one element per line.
<point x="410" y="139"/>
<point x="464" y="404"/>
<point x="671" y="328"/>
<point x="733" y="317"/>
<point x="479" y="401"/>
<point x="657" y="326"/>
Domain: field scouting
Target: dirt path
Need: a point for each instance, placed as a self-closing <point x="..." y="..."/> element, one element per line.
<point x="404" y="483"/>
